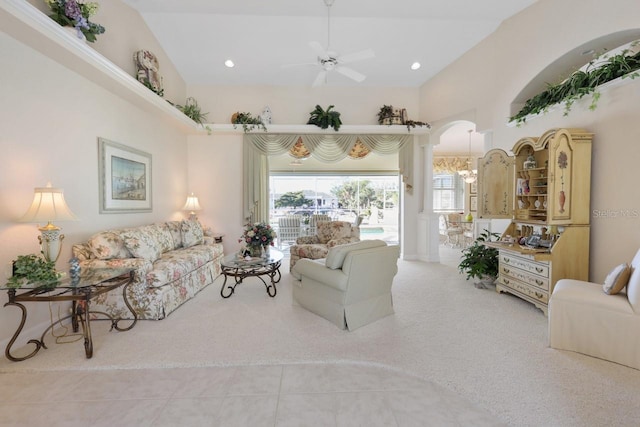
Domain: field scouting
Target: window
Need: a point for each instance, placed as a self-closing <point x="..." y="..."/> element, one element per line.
<point x="448" y="192"/>
<point x="374" y="197"/>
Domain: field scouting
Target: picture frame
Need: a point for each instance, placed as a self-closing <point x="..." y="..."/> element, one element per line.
<point x="473" y="187"/>
<point x="473" y="203"/>
<point x="124" y="178"/>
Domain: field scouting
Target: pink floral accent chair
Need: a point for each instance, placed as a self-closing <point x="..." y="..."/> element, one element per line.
<point x="329" y="234"/>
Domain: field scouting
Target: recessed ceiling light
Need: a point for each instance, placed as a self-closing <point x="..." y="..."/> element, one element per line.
<point x="415" y="65"/>
<point x="229" y="63"/>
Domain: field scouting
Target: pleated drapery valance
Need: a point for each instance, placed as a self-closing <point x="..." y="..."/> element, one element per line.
<point x="324" y="148"/>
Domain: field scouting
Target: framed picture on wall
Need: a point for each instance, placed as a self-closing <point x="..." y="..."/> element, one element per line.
<point x="473" y="187"/>
<point x="124" y="178"/>
<point x="473" y="203"/>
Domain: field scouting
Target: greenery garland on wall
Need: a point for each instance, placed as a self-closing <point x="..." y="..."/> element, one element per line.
<point x="581" y="83"/>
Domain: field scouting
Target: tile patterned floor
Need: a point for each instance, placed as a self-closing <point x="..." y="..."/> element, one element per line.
<point x="284" y="395"/>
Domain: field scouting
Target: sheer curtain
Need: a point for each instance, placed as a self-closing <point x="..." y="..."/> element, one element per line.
<point x="325" y="148"/>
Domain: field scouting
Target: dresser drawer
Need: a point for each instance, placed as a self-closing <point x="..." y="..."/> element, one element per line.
<point x="530" y="291"/>
<point x="524" y="276"/>
<point x="538" y="268"/>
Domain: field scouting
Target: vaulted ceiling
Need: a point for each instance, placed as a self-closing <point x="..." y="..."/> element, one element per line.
<point x="261" y="37"/>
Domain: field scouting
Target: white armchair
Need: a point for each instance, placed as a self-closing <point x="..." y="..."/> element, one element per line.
<point x="352" y="287"/>
<point x="584" y="319"/>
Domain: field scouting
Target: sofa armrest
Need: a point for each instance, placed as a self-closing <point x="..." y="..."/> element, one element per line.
<point x="307" y="240"/>
<point x="318" y="272"/>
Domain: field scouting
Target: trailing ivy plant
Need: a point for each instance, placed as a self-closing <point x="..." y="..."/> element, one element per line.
<point x="324" y="119"/>
<point x="247" y="121"/>
<point x="32" y="269"/>
<point x="582" y="83"/>
<point x="413" y="123"/>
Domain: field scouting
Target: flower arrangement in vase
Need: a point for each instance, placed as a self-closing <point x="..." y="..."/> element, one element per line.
<point x="76" y="14"/>
<point x="257" y="236"/>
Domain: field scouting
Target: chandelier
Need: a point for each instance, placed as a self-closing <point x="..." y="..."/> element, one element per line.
<point x="469" y="175"/>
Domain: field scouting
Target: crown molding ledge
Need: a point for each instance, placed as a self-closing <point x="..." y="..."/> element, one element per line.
<point x="312" y="129"/>
<point x="30" y="26"/>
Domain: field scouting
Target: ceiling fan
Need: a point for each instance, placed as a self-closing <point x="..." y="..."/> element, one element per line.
<point x="329" y="60"/>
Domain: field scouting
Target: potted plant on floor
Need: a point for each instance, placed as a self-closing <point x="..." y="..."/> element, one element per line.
<point x="481" y="261"/>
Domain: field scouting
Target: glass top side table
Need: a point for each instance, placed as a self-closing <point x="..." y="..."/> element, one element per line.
<point x="80" y="292"/>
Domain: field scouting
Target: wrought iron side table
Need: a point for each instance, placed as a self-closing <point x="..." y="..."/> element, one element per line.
<point x="91" y="283"/>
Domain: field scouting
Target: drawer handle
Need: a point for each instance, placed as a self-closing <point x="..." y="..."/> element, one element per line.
<point x="539" y="282"/>
<point x="506" y="259"/>
<point x="506" y="281"/>
<point x="506" y="270"/>
<point x="538" y="295"/>
<point x="539" y="269"/>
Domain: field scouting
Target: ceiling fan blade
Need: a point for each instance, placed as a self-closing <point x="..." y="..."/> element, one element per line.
<point x="319" y="50"/>
<point x="356" y="56"/>
<point x="320" y="79"/>
<point x="351" y="73"/>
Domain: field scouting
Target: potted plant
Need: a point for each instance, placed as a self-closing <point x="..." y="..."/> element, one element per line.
<point x="192" y="110"/>
<point x="481" y="261"/>
<point x="324" y="119"/>
<point x="32" y="269"/>
<point x="247" y="121"/>
<point x="385" y="114"/>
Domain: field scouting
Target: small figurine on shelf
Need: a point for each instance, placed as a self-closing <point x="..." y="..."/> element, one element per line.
<point x="74" y="270"/>
<point x="530" y="163"/>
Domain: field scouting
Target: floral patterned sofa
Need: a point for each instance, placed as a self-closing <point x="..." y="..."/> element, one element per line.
<point x="173" y="261"/>
<point x="330" y="234"/>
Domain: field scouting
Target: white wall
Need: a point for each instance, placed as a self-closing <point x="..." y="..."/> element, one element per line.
<point x="50" y="120"/>
<point x="489" y="77"/>
<point x="215" y="161"/>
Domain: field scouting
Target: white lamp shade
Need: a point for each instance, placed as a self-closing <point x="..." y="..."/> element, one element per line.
<point x="48" y="205"/>
<point x="192" y="204"/>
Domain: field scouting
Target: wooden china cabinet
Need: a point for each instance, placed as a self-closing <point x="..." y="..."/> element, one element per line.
<point x="544" y="188"/>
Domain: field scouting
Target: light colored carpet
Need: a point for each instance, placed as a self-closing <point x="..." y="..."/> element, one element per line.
<point x="490" y="349"/>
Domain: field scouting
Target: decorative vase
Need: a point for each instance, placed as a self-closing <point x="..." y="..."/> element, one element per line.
<point x="255" y="251"/>
<point x="562" y="198"/>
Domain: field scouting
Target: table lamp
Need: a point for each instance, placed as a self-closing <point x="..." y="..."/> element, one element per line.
<point x="48" y="206"/>
<point x="192" y="206"/>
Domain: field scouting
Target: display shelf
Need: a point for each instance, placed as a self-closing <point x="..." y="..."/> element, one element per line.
<point x="30" y="26"/>
<point x="312" y="129"/>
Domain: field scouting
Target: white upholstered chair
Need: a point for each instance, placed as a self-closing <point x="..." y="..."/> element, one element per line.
<point x="288" y="229"/>
<point x="352" y="286"/>
<point x="584" y="319"/>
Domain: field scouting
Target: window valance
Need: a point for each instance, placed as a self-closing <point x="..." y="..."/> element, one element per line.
<point x="449" y="164"/>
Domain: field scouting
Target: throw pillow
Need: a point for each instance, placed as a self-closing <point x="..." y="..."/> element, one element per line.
<point x="141" y="243"/>
<point x="108" y="245"/>
<point x="175" y="228"/>
<point x="337" y="254"/>
<point x="163" y="237"/>
<point x="617" y="279"/>
<point x="192" y="233"/>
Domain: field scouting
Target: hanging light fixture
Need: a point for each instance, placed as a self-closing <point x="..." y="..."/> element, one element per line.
<point x="469" y="175"/>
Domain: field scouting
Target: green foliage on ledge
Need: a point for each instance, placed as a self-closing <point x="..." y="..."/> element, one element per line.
<point x="582" y="83"/>
<point x="247" y="121"/>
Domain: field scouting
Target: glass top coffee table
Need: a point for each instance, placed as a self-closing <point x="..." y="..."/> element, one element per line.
<point x="80" y="291"/>
<point x="240" y="268"/>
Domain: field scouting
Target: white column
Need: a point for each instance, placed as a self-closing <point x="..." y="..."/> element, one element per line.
<point x="428" y="237"/>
